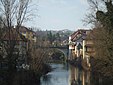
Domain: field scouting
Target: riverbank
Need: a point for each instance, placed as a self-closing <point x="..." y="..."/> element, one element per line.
<point x="23" y="77"/>
<point x="101" y="68"/>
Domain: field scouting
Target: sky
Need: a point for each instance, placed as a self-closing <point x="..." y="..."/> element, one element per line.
<point x="59" y="14"/>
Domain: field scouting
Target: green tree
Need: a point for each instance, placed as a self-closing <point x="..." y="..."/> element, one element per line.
<point x="58" y="37"/>
<point x="51" y="37"/>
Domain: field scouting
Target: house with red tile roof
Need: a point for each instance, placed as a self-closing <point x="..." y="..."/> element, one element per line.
<point x="81" y="45"/>
<point x="76" y="42"/>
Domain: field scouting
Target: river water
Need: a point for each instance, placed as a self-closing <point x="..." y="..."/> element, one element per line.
<point x="63" y="74"/>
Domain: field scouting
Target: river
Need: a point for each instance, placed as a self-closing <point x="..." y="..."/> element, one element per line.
<point x="63" y="74"/>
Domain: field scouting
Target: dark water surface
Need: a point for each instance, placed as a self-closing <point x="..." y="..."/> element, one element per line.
<point x="63" y="74"/>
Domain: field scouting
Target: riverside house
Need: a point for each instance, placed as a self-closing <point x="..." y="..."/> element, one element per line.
<point x="80" y="45"/>
<point x="28" y="33"/>
<point x="16" y="44"/>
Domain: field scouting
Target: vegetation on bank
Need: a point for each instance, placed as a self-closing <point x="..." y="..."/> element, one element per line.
<point x="26" y="76"/>
<point x="18" y="66"/>
<point x="23" y="77"/>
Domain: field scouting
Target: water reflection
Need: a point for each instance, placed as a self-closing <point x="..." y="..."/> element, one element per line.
<point x="78" y="76"/>
<point x="59" y="76"/>
<point x="63" y="76"/>
<point x="46" y="79"/>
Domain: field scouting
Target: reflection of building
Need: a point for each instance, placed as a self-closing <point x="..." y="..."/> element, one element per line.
<point x="74" y="76"/>
<point x="79" y="77"/>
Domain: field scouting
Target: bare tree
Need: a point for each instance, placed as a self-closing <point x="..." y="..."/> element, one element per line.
<point x="13" y="12"/>
<point x="102" y="36"/>
<point x="94" y="6"/>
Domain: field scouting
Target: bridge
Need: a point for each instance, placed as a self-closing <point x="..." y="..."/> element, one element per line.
<point x="64" y="49"/>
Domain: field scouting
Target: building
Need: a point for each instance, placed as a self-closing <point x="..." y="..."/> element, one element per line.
<point x="13" y="44"/>
<point x="81" y="45"/>
<point x="28" y="33"/>
<point x="16" y="42"/>
<point x="16" y="39"/>
<point x="77" y="77"/>
<point x="76" y="42"/>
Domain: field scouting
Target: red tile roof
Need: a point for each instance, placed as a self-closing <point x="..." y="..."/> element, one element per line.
<point x="75" y="34"/>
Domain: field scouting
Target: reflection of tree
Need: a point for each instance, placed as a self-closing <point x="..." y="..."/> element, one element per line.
<point x="47" y="79"/>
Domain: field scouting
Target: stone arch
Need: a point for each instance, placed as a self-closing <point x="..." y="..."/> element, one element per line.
<point x="65" y="52"/>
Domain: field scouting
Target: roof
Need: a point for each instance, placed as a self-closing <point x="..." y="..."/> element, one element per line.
<point x="25" y="29"/>
<point x="14" y="35"/>
<point x="81" y="33"/>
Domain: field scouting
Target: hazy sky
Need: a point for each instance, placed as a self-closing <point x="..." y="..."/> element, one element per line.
<point x="59" y="14"/>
